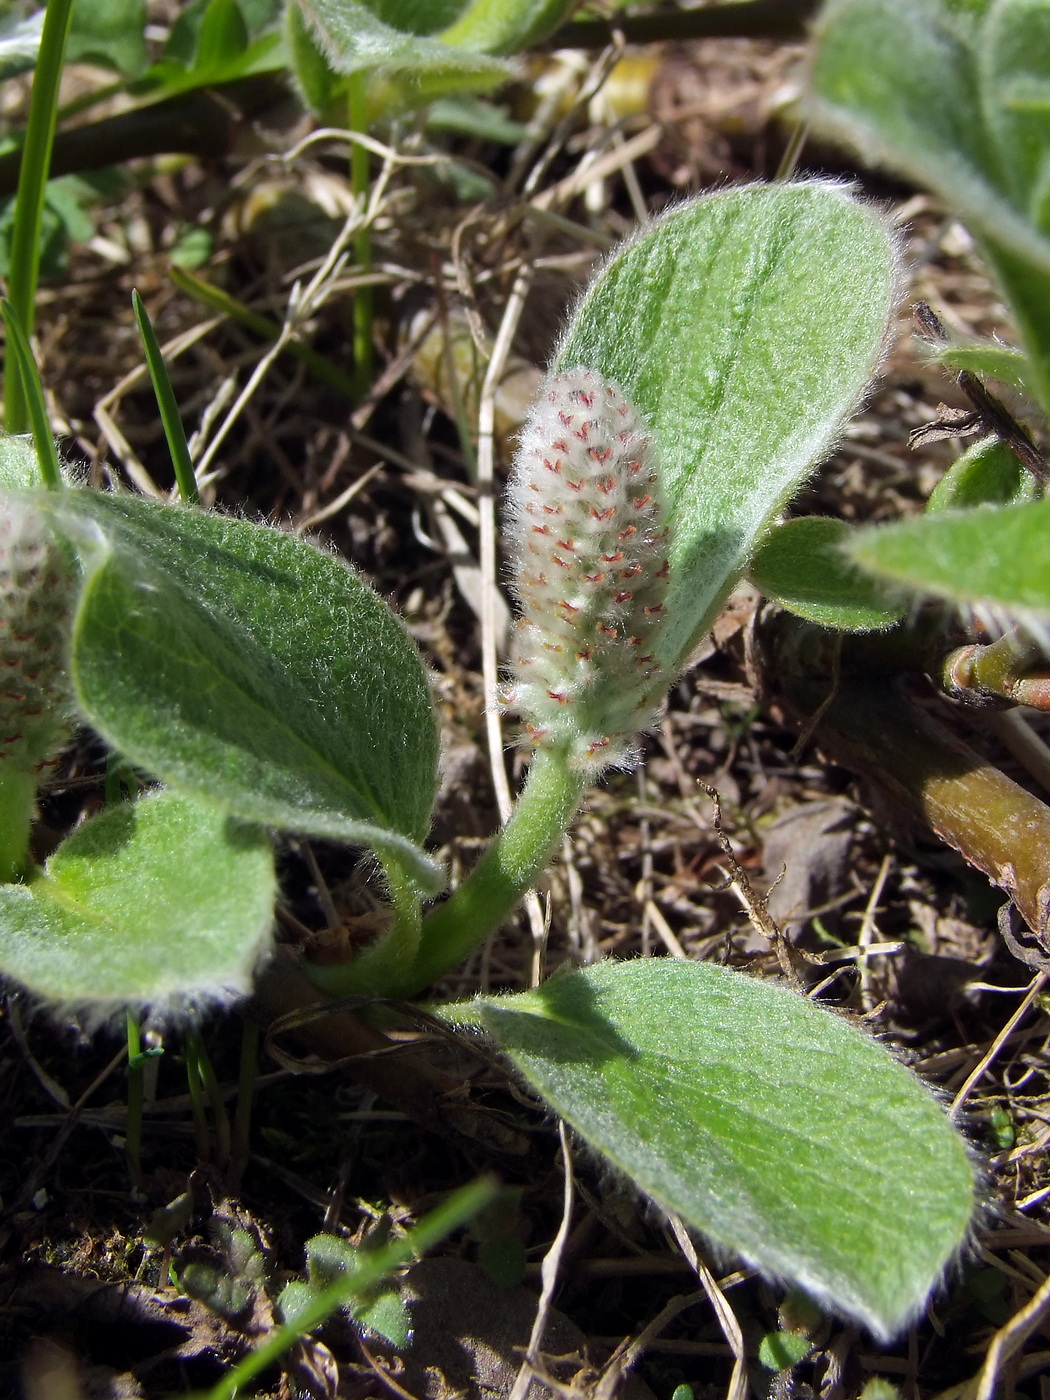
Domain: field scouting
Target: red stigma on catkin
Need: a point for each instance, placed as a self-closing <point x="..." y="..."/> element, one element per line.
<point x="587" y="458"/>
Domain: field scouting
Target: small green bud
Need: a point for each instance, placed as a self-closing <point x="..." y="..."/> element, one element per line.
<point x="589" y="539"/>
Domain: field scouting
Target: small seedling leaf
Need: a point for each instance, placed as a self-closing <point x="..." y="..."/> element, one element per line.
<point x="987" y="473"/>
<point x="779" y="1351"/>
<point x="166" y="897"/>
<point x="800" y="565"/>
<point x="771" y="1125"/>
<point x="995" y="556"/>
<point x="243" y="664"/>
<point x="744" y="327"/>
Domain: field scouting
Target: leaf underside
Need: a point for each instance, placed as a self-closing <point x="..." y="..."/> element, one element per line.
<point x="800" y="564"/>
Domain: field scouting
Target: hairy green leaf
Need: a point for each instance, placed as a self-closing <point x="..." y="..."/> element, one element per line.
<point x="164" y="897"/>
<point x="766" y="1122"/>
<point x="744" y="327"/>
<point x="987" y="473"/>
<point x="993" y="555"/>
<point x="243" y="664"/>
<point x="987" y="358"/>
<point x="800" y="564"/>
<point x="110" y="32"/>
<point x="353" y="36"/>
<point x="959" y="99"/>
<point x="19" y="43"/>
<point x="507" y="26"/>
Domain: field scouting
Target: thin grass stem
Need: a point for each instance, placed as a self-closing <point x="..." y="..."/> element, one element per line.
<point x="218" y="300"/>
<point x="33" y="403"/>
<point x="195" y="1086"/>
<point x="133" y="1132"/>
<point x="242" y="1117"/>
<point x="213" y="1091"/>
<point x="359" y="183"/>
<point x="174" y="432"/>
<point x="29" y="201"/>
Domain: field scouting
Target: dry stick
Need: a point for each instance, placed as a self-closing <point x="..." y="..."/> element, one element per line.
<point x="726" y="1317"/>
<point x="997" y="825"/>
<point x="865" y="940"/>
<point x="627" y="1354"/>
<point x="548" y="1275"/>
<point x="487" y="541"/>
<point x="487" y="507"/>
<point x="1011" y="1338"/>
<point x="1038" y="983"/>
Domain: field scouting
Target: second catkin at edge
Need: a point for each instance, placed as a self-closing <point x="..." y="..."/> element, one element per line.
<point x="589" y="544"/>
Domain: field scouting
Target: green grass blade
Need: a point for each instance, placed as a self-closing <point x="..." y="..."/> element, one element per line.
<point x="460" y="1207"/>
<point x="24" y="373"/>
<point x="225" y="305"/>
<point x="29" y="202"/>
<point x="169" y="408"/>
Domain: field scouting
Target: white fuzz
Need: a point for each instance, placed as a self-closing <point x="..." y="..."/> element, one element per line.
<point x="36" y="596"/>
<point x="589" y="545"/>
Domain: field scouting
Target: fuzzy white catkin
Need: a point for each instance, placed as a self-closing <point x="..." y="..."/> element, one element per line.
<point x="588" y="538"/>
<point x="36" y="597"/>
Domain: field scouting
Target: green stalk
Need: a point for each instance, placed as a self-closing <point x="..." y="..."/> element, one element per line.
<point x="242" y="1117"/>
<point x="23" y="372"/>
<point x="507" y="870"/>
<point x="17" y="799"/>
<point x="196" y="1092"/>
<point x="359" y="182"/>
<point x="133" y="1133"/>
<point x="168" y="405"/>
<point x="32" y="186"/>
<point x="220" y="1117"/>
<point x="389" y="962"/>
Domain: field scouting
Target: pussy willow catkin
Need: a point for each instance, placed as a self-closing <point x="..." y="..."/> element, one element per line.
<point x="36" y="597"/>
<point x="589" y="541"/>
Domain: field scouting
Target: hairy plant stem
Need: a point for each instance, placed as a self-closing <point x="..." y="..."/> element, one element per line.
<point x="506" y="871"/>
<point x="32" y="184"/>
<point x="382" y="968"/>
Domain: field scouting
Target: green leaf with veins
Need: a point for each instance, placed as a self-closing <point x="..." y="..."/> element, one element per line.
<point x="801" y="565"/>
<point x="957" y="98"/>
<point x="994" y="556"/>
<point x="744" y="327"/>
<point x="241" y="663"/>
<point x="768" y="1123"/>
<point x="166" y="897"/>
